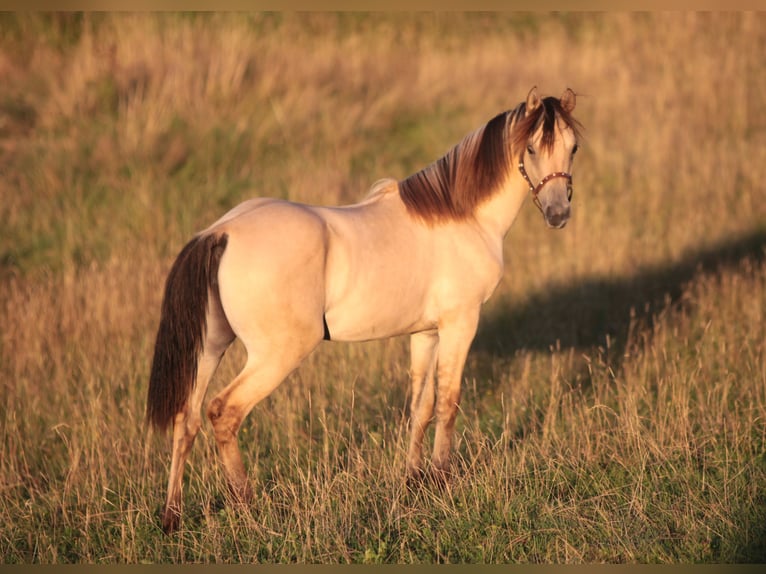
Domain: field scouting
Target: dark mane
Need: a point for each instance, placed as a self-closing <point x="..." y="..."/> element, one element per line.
<point x="453" y="186"/>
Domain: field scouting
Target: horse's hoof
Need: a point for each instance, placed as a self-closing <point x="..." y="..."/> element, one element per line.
<point x="171" y="519"/>
<point x="241" y="493"/>
<point x="439" y="477"/>
<point x="415" y="477"/>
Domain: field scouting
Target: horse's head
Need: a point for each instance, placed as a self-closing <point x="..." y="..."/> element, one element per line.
<point x="545" y="141"/>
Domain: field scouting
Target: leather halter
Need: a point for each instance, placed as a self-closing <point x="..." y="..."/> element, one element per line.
<point x="536" y="189"/>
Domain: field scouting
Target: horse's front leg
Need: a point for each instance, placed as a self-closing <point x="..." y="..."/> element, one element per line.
<point x="422" y="366"/>
<point x="456" y="333"/>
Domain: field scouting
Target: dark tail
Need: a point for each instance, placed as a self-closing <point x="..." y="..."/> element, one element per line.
<point x="183" y="322"/>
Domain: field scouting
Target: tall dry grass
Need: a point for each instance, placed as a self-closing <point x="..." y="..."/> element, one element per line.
<point x="614" y="401"/>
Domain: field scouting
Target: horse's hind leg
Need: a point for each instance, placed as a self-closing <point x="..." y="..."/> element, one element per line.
<point x="188" y="422"/>
<point x="266" y="368"/>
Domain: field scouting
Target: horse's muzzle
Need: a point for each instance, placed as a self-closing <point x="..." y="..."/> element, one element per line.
<point x="556" y="216"/>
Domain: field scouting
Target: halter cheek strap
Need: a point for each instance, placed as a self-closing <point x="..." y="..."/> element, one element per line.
<point x="535" y="189"/>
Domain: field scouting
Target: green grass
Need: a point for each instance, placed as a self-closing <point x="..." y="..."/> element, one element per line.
<point x="614" y="400"/>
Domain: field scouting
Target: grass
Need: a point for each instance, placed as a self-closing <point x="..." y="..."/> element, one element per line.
<point x="615" y="397"/>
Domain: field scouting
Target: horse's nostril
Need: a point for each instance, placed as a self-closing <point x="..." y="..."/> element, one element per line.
<point x="557" y="216"/>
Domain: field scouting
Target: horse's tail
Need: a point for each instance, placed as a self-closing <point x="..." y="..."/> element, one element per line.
<point x="193" y="278"/>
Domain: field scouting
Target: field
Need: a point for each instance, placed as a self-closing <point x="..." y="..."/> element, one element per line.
<point x="614" y="403"/>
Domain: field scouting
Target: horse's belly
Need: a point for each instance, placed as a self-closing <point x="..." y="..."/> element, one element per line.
<point x="375" y="317"/>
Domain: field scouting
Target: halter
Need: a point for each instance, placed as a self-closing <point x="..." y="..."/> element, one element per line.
<point x="536" y="189"/>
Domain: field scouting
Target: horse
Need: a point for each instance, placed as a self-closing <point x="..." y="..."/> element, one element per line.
<point x="415" y="257"/>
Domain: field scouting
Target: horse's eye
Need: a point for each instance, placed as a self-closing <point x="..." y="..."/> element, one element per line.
<point x="574" y="149"/>
<point x="530" y="149"/>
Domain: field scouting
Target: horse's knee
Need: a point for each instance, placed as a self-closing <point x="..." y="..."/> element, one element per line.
<point x="446" y="411"/>
<point x="215" y="410"/>
<point x="186" y="427"/>
<point x="193" y="424"/>
<point x="224" y="420"/>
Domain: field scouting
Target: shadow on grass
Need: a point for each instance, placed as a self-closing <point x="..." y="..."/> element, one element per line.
<point x="587" y="314"/>
<point x="582" y="316"/>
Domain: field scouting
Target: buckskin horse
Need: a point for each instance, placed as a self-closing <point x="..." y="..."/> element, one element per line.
<point x="418" y="256"/>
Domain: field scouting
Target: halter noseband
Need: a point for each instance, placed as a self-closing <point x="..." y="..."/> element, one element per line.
<point x="536" y="189"/>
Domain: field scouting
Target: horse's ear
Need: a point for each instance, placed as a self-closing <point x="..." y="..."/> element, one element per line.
<point x="533" y="100"/>
<point x="568" y="100"/>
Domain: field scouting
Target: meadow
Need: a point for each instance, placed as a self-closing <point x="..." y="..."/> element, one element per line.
<point x="614" y="402"/>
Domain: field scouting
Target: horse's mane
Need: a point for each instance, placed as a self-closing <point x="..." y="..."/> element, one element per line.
<point x="453" y="186"/>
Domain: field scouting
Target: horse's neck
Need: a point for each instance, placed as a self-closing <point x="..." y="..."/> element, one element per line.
<point x="497" y="214"/>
